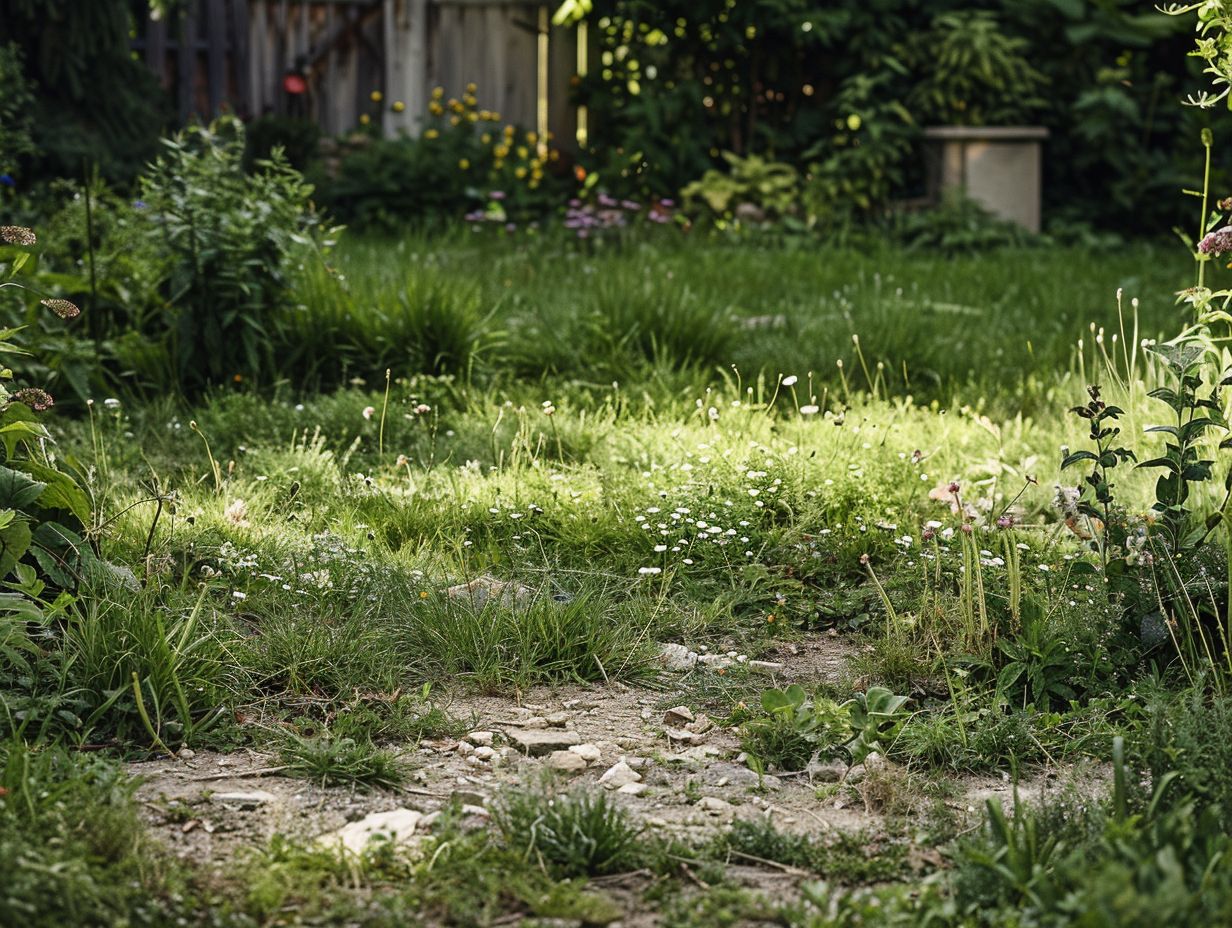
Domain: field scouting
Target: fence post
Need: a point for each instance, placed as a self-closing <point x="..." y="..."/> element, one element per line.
<point x="406" y="62"/>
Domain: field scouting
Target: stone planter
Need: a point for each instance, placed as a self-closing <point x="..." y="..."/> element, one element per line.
<point x="998" y="167"/>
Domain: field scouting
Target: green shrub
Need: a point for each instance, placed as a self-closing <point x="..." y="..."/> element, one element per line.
<point x="583" y="833"/>
<point x="233" y="238"/>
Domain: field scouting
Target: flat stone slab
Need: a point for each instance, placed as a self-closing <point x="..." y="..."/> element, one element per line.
<point x="540" y="741"/>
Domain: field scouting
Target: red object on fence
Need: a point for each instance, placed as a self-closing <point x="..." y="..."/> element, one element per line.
<point x="294" y="83"/>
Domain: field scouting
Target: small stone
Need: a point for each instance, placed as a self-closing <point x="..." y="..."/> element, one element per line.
<point x="676" y="657"/>
<point x="700" y="725"/>
<point x="713" y="805"/>
<point x="680" y="715"/>
<point x="633" y="789"/>
<point x="558" y="719"/>
<point x="765" y="666"/>
<point x="397" y="825"/>
<point x="254" y="797"/>
<point x="480" y="738"/>
<point x="464" y="748"/>
<point x="637" y="763"/>
<point x="479" y="591"/>
<point x="483" y="752"/>
<point x="588" y="752"/>
<point x="537" y="743"/>
<point x="618" y="775"/>
<point x="187" y="754"/>
<point x="683" y="736"/>
<point x="715" y="661"/>
<point x="535" y="721"/>
<point x="566" y="761"/>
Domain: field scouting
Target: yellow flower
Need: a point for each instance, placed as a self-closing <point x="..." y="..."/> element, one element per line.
<point x="469" y="100"/>
<point x="532" y="138"/>
<point x="455" y="105"/>
<point x="501" y="151"/>
<point x="471" y="88"/>
<point x="520" y="172"/>
<point x="486" y="138"/>
<point x="438" y="92"/>
<point x="464" y="164"/>
<point x="375" y="96"/>
<point x="522" y="152"/>
<point x="423" y="594"/>
<point x="454" y="120"/>
<point x="431" y="134"/>
<point x="435" y="109"/>
<point x="554" y="155"/>
<point x="485" y="115"/>
<point x="509" y="130"/>
<point x="398" y="106"/>
<point x="497" y="164"/>
<point x="854" y="122"/>
<point x="364" y="119"/>
<point x="472" y="116"/>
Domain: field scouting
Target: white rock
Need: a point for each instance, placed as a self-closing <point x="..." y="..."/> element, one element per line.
<point x="713" y="805"/>
<point x="464" y="748"/>
<point x="618" y="775"/>
<point x="633" y="789"/>
<point x="480" y="738"/>
<point x="254" y="797"/>
<point x="766" y="666"/>
<point x="715" y="661"/>
<point x="588" y="752"/>
<point x="397" y="826"/>
<point x="485" y="753"/>
<point x="680" y="715"/>
<point x="683" y="736"/>
<point x="677" y="657"/>
<point x="567" y="761"/>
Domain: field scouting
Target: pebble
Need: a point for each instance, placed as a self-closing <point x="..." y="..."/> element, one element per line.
<point x="480" y="738"/>
<point x="680" y="715"/>
<point x="633" y="789"/>
<point x="483" y="752"/>
<point x="618" y="775"/>
<point x="398" y="825"/>
<point x="677" y="657"/>
<point x="713" y="805"/>
<point x="588" y="752"/>
<point x="254" y="797"/>
<point x="566" y="762"/>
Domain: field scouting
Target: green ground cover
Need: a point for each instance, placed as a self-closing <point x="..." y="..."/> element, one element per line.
<point x="655" y="443"/>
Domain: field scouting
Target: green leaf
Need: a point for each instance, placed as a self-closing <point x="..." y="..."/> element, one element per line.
<point x="1077" y="456"/>
<point x="18" y="490"/>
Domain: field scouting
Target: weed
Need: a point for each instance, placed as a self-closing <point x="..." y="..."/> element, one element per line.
<point x="582" y="833"/>
<point x="339" y="761"/>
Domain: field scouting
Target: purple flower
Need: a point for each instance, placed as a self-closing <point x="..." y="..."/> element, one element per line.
<point x="1217" y="243"/>
<point x="7" y="180"/>
<point x="497" y="195"/>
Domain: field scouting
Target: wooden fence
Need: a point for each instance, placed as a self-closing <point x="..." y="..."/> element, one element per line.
<point x="237" y="55"/>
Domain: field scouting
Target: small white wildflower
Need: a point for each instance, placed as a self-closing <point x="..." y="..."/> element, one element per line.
<point x="790" y="380"/>
<point x="369" y="412"/>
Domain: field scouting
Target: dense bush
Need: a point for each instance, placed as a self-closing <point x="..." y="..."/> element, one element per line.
<point x="231" y="238"/>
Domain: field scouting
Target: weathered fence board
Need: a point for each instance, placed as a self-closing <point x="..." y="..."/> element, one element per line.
<point x="234" y="55"/>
